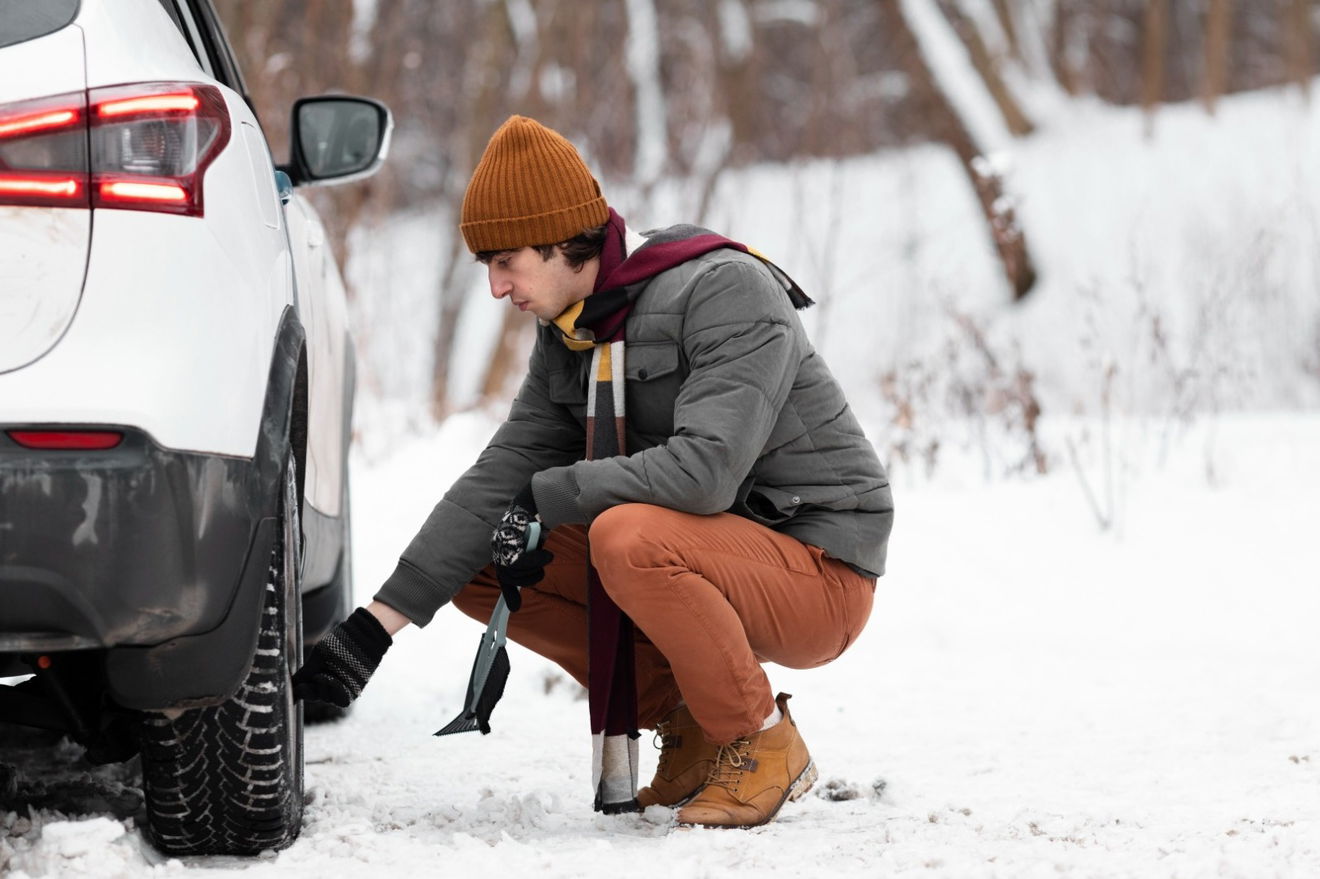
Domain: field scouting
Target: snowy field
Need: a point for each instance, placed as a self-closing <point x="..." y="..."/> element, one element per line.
<point x="1035" y="696"/>
<point x="1032" y="698"/>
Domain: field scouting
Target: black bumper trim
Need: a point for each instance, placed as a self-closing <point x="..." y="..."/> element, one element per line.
<point x="177" y="569"/>
<point x="138" y="677"/>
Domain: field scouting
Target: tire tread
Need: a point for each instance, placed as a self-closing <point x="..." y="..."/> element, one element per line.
<point x="219" y="780"/>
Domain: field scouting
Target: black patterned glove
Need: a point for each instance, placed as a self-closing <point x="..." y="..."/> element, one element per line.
<point x="518" y="564"/>
<point x="341" y="663"/>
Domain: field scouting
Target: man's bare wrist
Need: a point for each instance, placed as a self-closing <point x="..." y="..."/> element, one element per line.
<point x="389" y="618"/>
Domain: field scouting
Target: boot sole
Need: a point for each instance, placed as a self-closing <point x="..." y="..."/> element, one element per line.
<point x="679" y="803"/>
<point x="796" y="791"/>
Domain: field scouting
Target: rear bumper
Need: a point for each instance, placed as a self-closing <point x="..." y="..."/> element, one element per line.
<point x="155" y="558"/>
<point x="130" y="546"/>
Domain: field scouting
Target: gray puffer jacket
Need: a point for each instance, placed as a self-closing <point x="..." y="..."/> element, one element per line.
<point x="728" y="409"/>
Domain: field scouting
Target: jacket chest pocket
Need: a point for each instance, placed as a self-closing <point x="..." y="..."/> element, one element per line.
<point x="653" y="374"/>
<point x="568" y="387"/>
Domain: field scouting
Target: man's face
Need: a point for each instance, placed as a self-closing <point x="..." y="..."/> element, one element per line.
<point x="544" y="287"/>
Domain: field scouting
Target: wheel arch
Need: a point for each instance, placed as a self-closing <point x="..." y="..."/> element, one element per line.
<point x="298" y="424"/>
<point x="206" y="668"/>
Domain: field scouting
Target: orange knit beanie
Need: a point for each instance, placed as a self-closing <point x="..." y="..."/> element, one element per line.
<point x="530" y="187"/>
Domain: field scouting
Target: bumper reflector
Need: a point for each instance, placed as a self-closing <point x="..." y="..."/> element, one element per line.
<point x="69" y="440"/>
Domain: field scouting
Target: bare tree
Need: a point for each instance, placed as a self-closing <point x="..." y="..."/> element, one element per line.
<point x="652" y="152"/>
<point x="1297" y="44"/>
<point x="1029" y="28"/>
<point x="950" y="127"/>
<point x="486" y="69"/>
<point x="1153" y="37"/>
<point x="1008" y="21"/>
<point x="1218" y="23"/>
<point x="1068" y="46"/>
<point x="988" y="66"/>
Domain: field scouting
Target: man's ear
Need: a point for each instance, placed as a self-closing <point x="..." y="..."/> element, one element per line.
<point x="562" y="250"/>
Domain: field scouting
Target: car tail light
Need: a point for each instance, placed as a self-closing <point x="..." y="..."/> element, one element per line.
<point x="152" y="144"/>
<point x="139" y="147"/>
<point x="76" y="440"/>
<point x="43" y="152"/>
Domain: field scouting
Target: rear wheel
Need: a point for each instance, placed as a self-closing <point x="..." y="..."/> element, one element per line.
<point x="228" y="779"/>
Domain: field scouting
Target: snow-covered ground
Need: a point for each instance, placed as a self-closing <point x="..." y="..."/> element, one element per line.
<point x="1032" y="698"/>
<point x="1035" y="696"/>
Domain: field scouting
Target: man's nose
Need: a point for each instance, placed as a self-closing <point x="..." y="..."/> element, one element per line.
<point x="499" y="287"/>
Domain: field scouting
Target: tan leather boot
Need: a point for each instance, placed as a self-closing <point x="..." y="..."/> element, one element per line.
<point x="685" y="761"/>
<point x="753" y="777"/>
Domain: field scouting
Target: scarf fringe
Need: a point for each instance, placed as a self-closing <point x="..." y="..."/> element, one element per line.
<point x="614" y="773"/>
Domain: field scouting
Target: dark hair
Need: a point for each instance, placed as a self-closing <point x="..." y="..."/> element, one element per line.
<point x="580" y="249"/>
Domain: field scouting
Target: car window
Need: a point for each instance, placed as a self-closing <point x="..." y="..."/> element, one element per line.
<point x="187" y="25"/>
<point x="223" y="66"/>
<point x="22" y="20"/>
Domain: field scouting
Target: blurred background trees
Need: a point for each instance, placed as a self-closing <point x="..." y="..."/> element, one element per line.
<point x="692" y="88"/>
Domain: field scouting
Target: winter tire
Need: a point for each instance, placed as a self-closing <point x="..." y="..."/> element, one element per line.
<point x="228" y="779"/>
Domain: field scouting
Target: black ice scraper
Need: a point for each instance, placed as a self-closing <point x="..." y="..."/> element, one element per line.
<point x="489" y="673"/>
<point x="491" y="668"/>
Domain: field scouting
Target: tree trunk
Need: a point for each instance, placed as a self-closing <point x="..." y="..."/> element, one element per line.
<point x="1153" y="38"/>
<point x="1061" y="49"/>
<point x="651" y="149"/>
<point x="1214" y="75"/>
<point x="1007" y="21"/>
<point x="503" y="358"/>
<point x="1297" y="44"/>
<point x="988" y="67"/>
<point x="1030" y="30"/>
<point x="483" y="111"/>
<point x="1007" y="235"/>
<point x="452" y="300"/>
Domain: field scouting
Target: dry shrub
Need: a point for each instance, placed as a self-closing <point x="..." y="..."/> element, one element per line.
<point x="973" y="387"/>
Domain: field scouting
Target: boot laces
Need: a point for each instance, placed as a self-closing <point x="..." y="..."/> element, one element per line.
<point x="666" y="741"/>
<point x="730" y="762"/>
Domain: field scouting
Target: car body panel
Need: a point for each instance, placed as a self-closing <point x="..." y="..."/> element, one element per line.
<point x="218" y="344"/>
<point x="225" y="274"/>
<point x="322" y="306"/>
<point x="190" y="306"/>
<point x="49" y="65"/>
<point x="43" y="257"/>
<point x="144" y="549"/>
<point x="43" y="251"/>
<point x="120" y="29"/>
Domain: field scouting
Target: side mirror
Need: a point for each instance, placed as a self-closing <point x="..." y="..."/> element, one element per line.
<point x="337" y="138"/>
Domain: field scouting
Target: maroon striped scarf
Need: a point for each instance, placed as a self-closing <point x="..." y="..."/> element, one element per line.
<point x="597" y="324"/>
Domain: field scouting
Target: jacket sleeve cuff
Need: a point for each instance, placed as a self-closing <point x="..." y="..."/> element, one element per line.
<point x="556" y="492"/>
<point x="412" y="594"/>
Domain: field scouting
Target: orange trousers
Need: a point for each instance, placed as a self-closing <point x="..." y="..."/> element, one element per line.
<point x="712" y="597"/>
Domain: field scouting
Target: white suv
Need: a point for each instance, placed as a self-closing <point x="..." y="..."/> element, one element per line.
<point x="176" y="389"/>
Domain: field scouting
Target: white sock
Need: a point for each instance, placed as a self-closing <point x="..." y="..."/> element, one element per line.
<point x="774" y="718"/>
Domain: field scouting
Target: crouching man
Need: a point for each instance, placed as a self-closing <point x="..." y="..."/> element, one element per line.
<point x="695" y="465"/>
